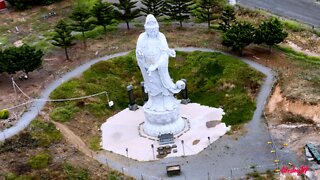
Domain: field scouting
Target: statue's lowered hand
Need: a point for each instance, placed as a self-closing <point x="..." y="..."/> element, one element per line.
<point x="151" y="68"/>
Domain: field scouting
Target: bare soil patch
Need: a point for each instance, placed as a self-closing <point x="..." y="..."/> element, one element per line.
<point x="293" y="122"/>
<point x="279" y="103"/>
<point x="62" y="152"/>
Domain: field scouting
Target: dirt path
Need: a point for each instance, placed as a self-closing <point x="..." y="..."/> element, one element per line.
<point x="73" y="139"/>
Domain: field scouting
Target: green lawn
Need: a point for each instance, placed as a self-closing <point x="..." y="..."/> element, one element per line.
<point x="213" y="79"/>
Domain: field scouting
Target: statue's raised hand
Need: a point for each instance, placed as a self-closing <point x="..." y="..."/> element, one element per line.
<point x="140" y="55"/>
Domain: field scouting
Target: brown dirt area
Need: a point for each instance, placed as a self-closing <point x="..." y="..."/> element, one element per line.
<point x="293" y="94"/>
<point x="62" y="152"/>
<point x="293" y="122"/>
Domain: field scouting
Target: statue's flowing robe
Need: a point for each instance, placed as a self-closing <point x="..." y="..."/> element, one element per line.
<point x="155" y="52"/>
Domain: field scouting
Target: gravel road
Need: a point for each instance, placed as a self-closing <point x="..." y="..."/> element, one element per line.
<point x="306" y="11"/>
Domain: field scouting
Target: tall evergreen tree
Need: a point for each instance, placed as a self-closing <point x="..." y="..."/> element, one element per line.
<point x="228" y="16"/>
<point x="154" y="7"/>
<point x="270" y="32"/>
<point x="62" y="36"/>
<point x="238" y="36"/>
<point x="103" y="14"/>
<point x="179" y="10"/>
<point x="80" y="16"/>
<point x="126" y="11"/>
<point x="206" y="9"/>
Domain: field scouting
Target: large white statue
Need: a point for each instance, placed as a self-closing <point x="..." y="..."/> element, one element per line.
<point x="162" y="109"/>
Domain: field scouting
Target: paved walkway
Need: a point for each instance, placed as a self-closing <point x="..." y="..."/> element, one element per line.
<point x="226" y="157"/>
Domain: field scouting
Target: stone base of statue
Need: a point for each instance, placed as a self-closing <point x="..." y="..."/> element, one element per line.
<point x="164" y="122"/>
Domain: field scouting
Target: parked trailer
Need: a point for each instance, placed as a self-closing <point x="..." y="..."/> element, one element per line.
<point x="313" y="151"/>
<point x="173" y="170"/>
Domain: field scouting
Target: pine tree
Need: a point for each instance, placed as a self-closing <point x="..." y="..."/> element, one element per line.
<point x="126" y="11"/>
<point x="206" y="9"/>
<point x="2" y="64"/>
<point x="270" y="32"/>
<point x="24" y="58"/>
<point x="179" y="10"/>
<point x="154" y="7"/>
<point x="11" y="58"/>
<point x="103" y="14"/>
<point x="228" y="16"/>
<point x="62" y="36"/>
<point x="31" y="58"/>
<point x="238" y="36"/>
<point x="80" y="16"/>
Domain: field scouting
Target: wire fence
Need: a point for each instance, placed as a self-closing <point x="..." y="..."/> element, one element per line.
<point x="31" y="100"/>
<point x="234" y="173"/>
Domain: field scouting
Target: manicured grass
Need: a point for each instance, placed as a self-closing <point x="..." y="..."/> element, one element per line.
<point x="213" y="79"/>
<point x="217" y="80"/>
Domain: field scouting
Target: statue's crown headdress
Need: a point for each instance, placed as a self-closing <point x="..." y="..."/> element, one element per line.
<point x="151" y="22"/>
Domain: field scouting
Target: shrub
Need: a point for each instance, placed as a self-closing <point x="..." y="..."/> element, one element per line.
<point x="44" y="133"/>
<point x="4" y="114"/>
<point x="12" y="176"/>
<point x="95" y="143"/>
<point x="18" y="143"/>
<point x="74" y="172"/>
<point x="114" y="175"/>
<point x="40" y="160"/>
<point x="64" y="114"/>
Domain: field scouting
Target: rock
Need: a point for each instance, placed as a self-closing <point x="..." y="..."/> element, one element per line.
<point x="18" y="43"/>
<point x="211" y="124"/>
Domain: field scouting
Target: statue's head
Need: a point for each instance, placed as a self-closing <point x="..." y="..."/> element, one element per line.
<point x="151" y="26"/>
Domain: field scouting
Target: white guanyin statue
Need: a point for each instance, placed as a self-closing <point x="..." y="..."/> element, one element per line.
<point x="162" y="109"/>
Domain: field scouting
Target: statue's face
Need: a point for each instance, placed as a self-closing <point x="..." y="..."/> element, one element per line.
<point x="152" y="32"/>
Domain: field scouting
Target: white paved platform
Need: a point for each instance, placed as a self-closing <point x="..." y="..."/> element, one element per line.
<point x="121" y="132"/>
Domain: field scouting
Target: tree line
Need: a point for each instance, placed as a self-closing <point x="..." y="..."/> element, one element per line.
<point x="236" y="35"/>
<point x="84" y="18"/>
<point x="25" y="4"/>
